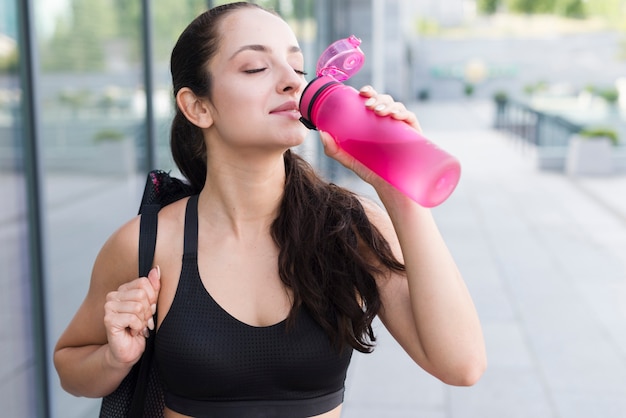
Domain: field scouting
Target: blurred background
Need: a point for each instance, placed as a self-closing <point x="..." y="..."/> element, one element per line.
<point x="85" y="108"/>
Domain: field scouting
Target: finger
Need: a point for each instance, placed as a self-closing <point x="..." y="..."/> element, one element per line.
<point x="384" y="105"/>
<point x="332" y="149"/>
<point x="330" y="146"/>
<point x="379" y="102"/>
<point x="409" y="118"/>
<point x="145" y="284"/>
<point x="124" y="322"/>
<point x="367" y="91"/>
<point x="131" y="302"/>
<point x="154" y="276"/>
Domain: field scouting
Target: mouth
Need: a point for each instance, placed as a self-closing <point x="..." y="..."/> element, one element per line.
<point x="289" y="109"/>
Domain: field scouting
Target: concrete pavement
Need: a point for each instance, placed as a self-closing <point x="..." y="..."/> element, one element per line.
<point x="544" y="257"/>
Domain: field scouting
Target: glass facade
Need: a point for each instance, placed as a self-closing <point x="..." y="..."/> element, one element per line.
<point x="23" y="370"/>
<point x="85" y="110"/>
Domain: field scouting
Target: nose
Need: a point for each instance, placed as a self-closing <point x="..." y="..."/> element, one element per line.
<point x="290" y="81"/>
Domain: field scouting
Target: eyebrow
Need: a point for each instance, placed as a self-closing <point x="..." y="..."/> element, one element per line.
<point x="262" y="48"/>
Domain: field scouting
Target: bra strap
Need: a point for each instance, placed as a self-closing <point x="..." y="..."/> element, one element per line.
<point x="191" y="226"/>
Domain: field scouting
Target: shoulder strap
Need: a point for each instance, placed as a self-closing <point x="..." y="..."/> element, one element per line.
<point x="191" y="226"/>
<point x="148" y="226"/>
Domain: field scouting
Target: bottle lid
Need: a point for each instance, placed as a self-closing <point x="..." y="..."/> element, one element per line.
<point x="342" y="59"/>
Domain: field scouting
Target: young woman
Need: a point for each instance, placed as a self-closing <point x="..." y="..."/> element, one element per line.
<point x="268" y="278"/>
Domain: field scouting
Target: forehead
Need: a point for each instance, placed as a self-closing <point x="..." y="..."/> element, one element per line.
<point x="255" y="26"/>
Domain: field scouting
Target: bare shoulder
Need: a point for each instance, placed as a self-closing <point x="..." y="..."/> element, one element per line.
<point x="376" y="214"/>
<point x="116" y="262"/>
<point x="379" y="218"/>
<point x="170" y="232"/>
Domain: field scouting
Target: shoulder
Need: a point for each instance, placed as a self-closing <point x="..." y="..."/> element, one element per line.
<point x="116" y="262"/>
<point x="376" y="214"/>
<point x="170" y="232"/>
<point x="380" y="220"/>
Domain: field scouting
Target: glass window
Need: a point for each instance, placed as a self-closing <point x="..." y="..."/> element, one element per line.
<point x="17" y="372"/>
<point x="169" y="20"/>
<point x="92" y="114"/>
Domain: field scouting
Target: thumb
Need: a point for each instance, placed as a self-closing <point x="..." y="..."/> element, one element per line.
<point x="155" y="278"/>
<point x="333" y="150"/>
<point x="330" y="145"/>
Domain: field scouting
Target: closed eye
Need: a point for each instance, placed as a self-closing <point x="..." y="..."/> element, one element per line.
<point x="258" y="70"/>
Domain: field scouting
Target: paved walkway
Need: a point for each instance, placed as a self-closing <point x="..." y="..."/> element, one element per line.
<point x="544" y="256"/>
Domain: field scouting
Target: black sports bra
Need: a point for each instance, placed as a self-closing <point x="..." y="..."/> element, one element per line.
<point x="213" y="365"/>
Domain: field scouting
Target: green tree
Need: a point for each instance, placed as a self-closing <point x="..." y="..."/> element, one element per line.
<point x="531" y="6"/>
<point x="169" y="20"/>
<point x="77" y="43"/>
<point x="574" y="9"/>
<point x="488" y="6"/>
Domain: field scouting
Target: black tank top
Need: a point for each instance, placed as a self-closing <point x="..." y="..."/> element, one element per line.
<point x="213" y="365"/>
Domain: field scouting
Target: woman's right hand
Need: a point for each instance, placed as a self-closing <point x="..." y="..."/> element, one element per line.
<point x="128" y="315"/>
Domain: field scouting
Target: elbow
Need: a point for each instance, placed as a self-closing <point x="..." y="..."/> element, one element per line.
<point x="467" y="374"/>
<point x="63" y="381"/>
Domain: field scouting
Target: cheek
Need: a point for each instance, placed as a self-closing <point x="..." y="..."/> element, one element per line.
<point x="236" y="106"/>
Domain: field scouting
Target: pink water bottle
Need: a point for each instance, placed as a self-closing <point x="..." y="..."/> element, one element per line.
<point x="391" y="148"/>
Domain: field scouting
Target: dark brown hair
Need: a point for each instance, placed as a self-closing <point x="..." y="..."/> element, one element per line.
<point x="329" y="250"/>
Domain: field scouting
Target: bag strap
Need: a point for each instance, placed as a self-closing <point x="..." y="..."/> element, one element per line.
<point x="147" y="237"/>
<point x="148" y="226"/>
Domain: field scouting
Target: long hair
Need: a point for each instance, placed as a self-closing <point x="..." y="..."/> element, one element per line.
<point x="321" y="229"/>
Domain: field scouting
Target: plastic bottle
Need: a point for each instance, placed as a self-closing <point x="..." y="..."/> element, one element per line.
<point x="391" y="148"/>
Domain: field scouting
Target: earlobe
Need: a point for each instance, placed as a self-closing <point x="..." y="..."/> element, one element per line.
<point x="195" y="109"/>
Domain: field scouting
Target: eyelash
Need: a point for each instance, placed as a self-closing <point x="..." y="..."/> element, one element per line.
<point x="258" y="70"/>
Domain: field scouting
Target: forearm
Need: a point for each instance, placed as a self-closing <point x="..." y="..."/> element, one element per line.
<point x="89" y="371"/>
<point x="445" y="318"/>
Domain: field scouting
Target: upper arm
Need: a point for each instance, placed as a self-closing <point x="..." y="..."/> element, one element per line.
<point x="396" y="312"/>
<point x="115" y="264"/>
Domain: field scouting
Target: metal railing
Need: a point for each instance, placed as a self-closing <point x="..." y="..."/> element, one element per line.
<point x="533" y="126"/>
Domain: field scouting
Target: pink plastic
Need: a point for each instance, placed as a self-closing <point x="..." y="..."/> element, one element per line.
<point x="391" y="148"/>
<point x="341" y="59"/>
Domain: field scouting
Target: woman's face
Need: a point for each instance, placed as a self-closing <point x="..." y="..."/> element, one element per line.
<point x="257" y="80"/>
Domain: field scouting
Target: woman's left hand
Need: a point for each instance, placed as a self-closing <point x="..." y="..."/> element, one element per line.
<point x="382" y="105"/>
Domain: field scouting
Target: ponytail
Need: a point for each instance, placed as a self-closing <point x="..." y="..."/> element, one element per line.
<point x="189" y="150"/>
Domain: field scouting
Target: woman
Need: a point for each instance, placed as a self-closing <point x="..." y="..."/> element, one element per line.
<point x="282" y="272"/>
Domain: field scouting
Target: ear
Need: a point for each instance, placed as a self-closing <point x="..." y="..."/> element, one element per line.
<point x="196" y="110"/>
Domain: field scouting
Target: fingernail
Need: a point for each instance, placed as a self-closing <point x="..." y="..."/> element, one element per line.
<point x="151" y="324"/>
<point x="370" y="101"/>
<point x="366" y="88"/>
<point x="158" y="270"/>
<point x="146" y="333"/>
<point x="153" y="308"/>
<point x="379" y="107"/>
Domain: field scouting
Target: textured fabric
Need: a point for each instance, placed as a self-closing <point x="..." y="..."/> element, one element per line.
<point x="206" y="355"/>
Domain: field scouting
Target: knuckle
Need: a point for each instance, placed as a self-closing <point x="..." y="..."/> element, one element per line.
<point x="137" y="308"/>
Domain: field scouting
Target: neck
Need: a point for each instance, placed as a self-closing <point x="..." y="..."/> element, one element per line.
<point x="243" y="197"/>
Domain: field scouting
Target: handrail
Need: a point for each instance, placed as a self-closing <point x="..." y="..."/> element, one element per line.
<point x="534" y="126"/>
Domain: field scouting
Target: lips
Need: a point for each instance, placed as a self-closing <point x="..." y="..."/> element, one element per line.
<point x="287" y="107"/>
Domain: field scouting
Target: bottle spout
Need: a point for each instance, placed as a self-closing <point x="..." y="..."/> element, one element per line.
<point x="342" y="59"/>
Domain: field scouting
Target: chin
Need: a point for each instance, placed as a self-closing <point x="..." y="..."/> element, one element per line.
<point x="297" y="137"/>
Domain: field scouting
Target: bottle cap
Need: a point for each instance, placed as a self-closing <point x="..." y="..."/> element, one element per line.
<point x="342" y="59"/>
